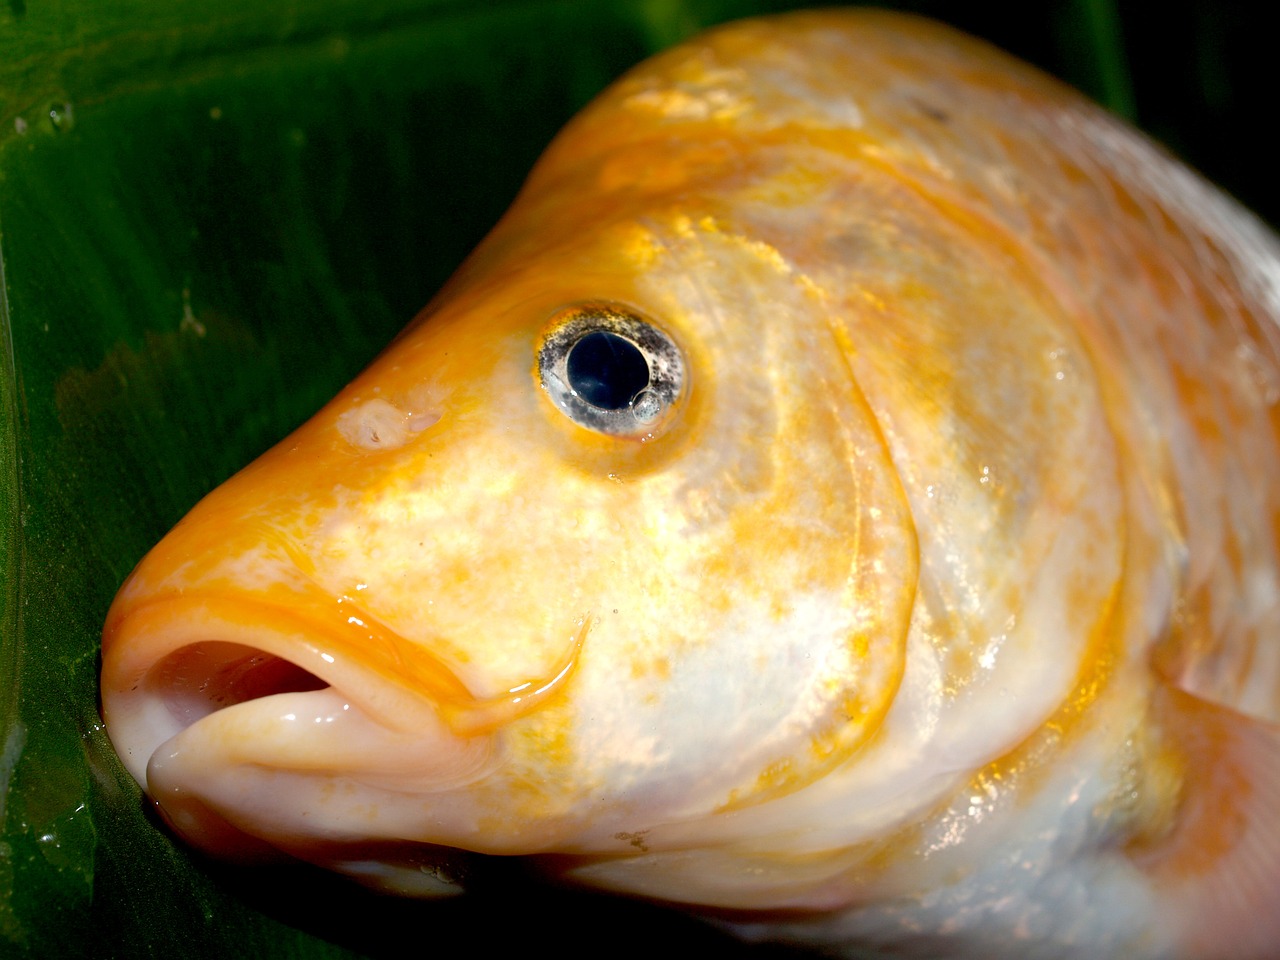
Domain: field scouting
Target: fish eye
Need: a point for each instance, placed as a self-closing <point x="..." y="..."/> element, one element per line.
<point x="610" y="370"/>
<point x="606" y="370"/>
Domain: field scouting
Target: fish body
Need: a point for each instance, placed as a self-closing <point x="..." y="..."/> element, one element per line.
<point x="839" y="495"/>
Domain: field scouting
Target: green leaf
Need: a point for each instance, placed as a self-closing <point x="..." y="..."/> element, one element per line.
<point x="212" y="214"/>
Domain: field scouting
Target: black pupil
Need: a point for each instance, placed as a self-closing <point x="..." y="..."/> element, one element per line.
<point x="606" y="370"/>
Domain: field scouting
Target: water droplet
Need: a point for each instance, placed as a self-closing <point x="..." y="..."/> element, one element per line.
<point x="61" y="117"/>
<point x="646" y="406"/>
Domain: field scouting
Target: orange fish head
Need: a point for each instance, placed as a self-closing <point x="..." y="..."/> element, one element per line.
<point x="588" y="523"/>
<point x="607" y="556"/>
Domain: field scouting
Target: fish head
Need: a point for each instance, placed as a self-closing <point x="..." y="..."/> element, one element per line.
<point x="605" y="540"/>
<point x="614" y="552"/>
<point x="760" y="520"/>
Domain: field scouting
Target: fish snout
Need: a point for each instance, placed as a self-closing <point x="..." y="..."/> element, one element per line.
<point x="243" y="720"/>
<point x="251" y="702"/>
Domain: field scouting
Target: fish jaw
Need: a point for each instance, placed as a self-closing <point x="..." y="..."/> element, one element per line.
<point x="267" y="714"/>
<point x="238" y="739"/>
<point x="169" y="674"/>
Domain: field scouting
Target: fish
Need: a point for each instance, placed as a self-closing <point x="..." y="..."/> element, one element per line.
<point x="837" y="499"/>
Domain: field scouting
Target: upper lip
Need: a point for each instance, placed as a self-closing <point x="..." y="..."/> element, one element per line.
<point x="170" y="659"/>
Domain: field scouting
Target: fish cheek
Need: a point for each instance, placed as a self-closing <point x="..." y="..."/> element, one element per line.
<point x="772" y="602"/>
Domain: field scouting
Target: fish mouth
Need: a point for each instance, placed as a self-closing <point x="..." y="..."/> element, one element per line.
<point x="260" y="728"/>
<point x="170" y="664"/>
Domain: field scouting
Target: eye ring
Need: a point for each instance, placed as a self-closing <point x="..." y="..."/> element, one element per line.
<point x="610" y="370"/>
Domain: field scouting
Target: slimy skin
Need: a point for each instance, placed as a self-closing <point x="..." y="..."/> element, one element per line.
<point x="925" y="599"/>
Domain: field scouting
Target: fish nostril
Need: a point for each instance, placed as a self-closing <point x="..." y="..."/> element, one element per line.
<point x="202" y="678"/>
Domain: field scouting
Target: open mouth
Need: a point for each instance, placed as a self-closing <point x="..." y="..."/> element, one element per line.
<point x="170" y="664"/>
<point x="202" y="678"/>
<point x="257" y="731"/>
<point x="260" y="727"/>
